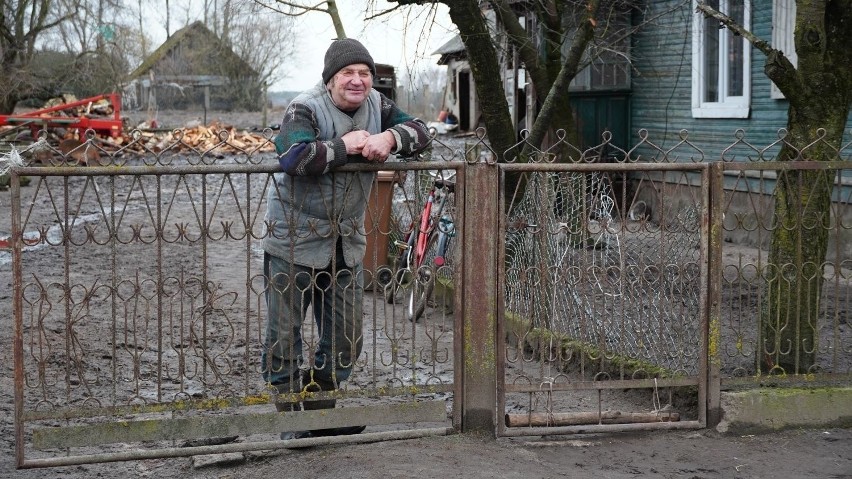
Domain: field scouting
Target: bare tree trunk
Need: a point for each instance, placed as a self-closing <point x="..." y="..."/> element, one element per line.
<point x="142" y="38"/>
<point x="555" y="105"/>
<point x="335" y="19"/>
<point x="467" y="16"/>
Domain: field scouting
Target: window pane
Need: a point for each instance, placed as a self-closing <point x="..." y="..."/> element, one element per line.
<point x="711" y="58"/>
<point x="735" y="51"/>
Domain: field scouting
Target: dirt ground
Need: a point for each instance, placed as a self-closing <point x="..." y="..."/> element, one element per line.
<point x="690" y="454"/>
<point x="814" y="454"/>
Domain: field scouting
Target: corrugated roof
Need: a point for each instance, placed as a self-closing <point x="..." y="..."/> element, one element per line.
<point x="454" y="45"/>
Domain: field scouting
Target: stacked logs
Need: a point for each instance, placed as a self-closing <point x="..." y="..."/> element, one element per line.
<point x="215" y="138"/>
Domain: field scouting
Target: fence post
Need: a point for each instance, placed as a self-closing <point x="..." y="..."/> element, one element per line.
<point x="714" y="277"/>
<point x="479" y="297"/>
<point x="17" y="238"/>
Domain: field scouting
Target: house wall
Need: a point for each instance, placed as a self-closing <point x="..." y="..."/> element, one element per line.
<point x="460" y="95"/>
<point x="662" y="86"/>
<point x="661" y="104"/>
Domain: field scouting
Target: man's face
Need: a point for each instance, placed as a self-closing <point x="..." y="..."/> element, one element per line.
<point x="350" y="86"/>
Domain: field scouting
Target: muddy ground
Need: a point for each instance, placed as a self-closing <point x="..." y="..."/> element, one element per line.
<point x="691" y="454"/>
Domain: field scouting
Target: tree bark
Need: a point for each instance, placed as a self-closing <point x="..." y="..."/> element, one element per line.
<point x="819" y="90"/>
<point x="482" y="57"/>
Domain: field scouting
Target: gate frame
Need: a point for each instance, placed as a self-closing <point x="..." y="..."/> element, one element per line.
<point x="307" y="420"/>
<point x="702" y="381"/>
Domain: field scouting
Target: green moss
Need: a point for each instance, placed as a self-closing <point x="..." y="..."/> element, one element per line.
<point x="520" y="329"/>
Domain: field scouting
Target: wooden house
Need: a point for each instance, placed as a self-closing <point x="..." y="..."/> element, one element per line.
<point x="460" y="93"/>
<point x="194" y="69"/>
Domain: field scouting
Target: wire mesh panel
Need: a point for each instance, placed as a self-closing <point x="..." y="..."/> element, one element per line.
<point x="604" y="274"/>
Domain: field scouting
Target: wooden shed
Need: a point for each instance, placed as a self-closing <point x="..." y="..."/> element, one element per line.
<point x="194" y="69"/>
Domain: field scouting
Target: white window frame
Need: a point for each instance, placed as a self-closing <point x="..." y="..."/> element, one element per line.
<point x="783" y="25"/>
<point x="727" y="106"/>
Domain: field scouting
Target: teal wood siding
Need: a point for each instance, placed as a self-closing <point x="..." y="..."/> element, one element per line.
<point x="661" y="99"/>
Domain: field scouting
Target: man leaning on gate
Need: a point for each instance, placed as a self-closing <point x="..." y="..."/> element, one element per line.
<point x="314" y="250"/>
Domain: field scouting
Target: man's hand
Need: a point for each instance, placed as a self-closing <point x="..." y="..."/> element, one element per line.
<point x="376" y="148"/>
<point x="354" y="141"/>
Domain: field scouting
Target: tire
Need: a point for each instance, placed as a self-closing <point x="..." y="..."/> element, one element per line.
<point x="422" y="282"/>
<point x="391" y="288"/>
<point x="420" y="292"/>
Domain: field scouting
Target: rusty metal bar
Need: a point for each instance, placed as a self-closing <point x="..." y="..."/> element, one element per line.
<point x="69" y="171"/>
<point x="605" y="167"/>
<point x="459" y="302"/>
<point x="479" y="292"/>
<point x="789" y="380"/>
<point x="17" y="314"/>
<point x="785" y="165"/>
<point x="605" y="385"/>
<point x="140" y="454"/>
<point x="501" y="300"/>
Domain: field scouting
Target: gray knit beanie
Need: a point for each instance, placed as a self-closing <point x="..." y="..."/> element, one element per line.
<point x="343" y="53"/>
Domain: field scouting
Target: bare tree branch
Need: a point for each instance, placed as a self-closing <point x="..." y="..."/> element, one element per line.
<point x="298" y="9"/>
<point x="303" y="8"/>
<point x="568" y="71"/>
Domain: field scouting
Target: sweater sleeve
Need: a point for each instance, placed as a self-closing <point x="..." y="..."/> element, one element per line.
<point x="411" y="133"/>
<point x="300" y="153"/>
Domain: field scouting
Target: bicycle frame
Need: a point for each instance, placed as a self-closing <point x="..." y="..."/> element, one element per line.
<point x="420" y="241"/>
<point x="417" y="246"/>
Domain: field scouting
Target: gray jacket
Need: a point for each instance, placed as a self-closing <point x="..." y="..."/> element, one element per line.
<point x="307" y="214"/>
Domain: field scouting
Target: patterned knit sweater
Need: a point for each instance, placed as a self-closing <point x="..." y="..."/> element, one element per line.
<point x="302" y="153"/>
<point x="310" y="206"/>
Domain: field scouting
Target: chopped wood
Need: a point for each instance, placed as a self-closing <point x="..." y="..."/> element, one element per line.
<point x="215" y="139"/>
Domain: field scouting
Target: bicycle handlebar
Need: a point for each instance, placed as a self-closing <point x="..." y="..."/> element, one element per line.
<point x="450" y="185"/>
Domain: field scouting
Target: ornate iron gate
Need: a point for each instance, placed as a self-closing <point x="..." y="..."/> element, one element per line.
<point x="139" y="318"/>
<point x="604" y="323"/>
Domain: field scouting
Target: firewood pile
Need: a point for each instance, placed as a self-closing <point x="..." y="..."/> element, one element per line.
<point x="216" y="138"/>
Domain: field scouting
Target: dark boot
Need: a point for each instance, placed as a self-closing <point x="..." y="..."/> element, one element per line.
<point x="315" y="385"/>
<point x="318" y="385"/>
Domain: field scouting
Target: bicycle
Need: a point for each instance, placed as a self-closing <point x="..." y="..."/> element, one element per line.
<point x="429" y="236"/>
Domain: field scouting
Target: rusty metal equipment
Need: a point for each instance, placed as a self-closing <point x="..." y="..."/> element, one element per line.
<point x="44" y="118"/>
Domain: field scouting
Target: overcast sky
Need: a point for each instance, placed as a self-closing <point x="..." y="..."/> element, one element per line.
<point x="395" y="40"/>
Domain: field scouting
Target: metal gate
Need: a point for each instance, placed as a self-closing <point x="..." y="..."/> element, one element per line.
<point x="140" y="316"/>
<point x="578" y="299"/>
<point x="604" y="317"/>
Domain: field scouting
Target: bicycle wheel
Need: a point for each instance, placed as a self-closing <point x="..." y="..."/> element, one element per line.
<point x="392" y="281"/>
<point x="422" y="283"/>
